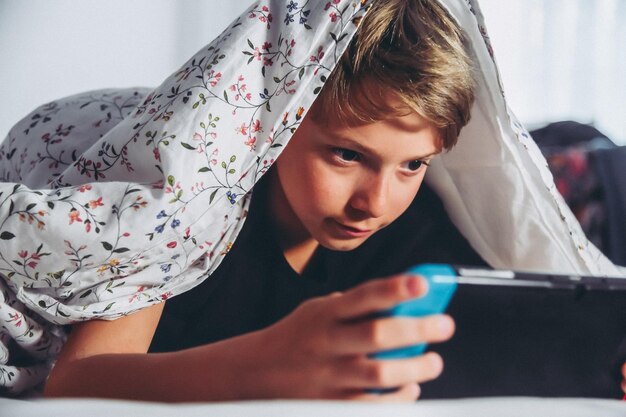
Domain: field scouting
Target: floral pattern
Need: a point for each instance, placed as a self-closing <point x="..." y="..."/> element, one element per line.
<point x="115" y="200"/>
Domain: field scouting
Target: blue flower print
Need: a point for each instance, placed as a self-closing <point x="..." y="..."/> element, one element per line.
<point x="161" y="214"/>
<point x="232" y="197"/>
<point x="159" y="228"/>
<point x="292" y="6"/>
<point x="166" y="268"/>
<point x="175" y="223"/>
<point x="288" y="19"/>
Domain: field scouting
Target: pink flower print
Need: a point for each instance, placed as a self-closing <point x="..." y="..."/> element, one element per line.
<point x="87" y="226"/>
<point x="23" y="254"/>
<point x="16" y="318"/>
<point x="157" y="154"/>
<point x="32" y="264"/>
<point x="96" y="203"/>
<point x="333" y="17"/>
<point x="74" y="216"/>
<point x="197" y="136"/>
<point x="183" y="74"/>
<point x="240" y="78"/>
<point x="292" y="43"/>
<point x="336" y="1"/>
<point x="84" y="188"/>
<point x="200" y="148"/>
<point x="268" y="62"/>
<point x="213" y="135"/>
<point x="320" y="52"/>
<point x="256" y="127"/>
<point x="166" y="295"/>
<point x="125" y="234"/>
<point x="35" y="256"/>
<point x="327" y="6"/>
<point x="243" y="129"/>
<point x="172" y="244"/>
<point x="215" y="78"/>
<point x="263" y="19"/>
<point x="257" y="53"/>
<point x="265" y="9"/>
<point x="169" y="189"/>
<point x="187" y="233"/>
<point x="266" y="46"/>
<point x="233" y="87"/>
<point x="251" y="142"/>
<point x="213" y="161"/>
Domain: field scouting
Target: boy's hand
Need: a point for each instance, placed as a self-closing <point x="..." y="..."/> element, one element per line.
<point x="321" y="349"/>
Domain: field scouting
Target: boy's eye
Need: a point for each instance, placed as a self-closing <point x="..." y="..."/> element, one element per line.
<point x="415" y="165"/>
<point x="346" y="154"/>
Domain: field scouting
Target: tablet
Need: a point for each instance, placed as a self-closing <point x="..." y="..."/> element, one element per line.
<point x="532" y="334"/>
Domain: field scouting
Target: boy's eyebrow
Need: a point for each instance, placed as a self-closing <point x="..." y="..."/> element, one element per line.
<point x="365" y="150"/>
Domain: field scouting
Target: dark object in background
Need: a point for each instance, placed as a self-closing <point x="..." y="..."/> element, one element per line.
<point x="611" y="167"/>
<point x="590" y="172"/>
<point x="566" y="133"/>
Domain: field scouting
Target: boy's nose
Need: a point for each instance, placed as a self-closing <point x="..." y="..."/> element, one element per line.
<point x="371" y="197"/>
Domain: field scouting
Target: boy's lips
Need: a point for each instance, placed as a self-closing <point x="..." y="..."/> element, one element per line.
<point x="351" y="231"/>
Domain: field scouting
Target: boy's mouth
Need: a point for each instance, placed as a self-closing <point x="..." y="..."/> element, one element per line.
<point x="350" y="231"/>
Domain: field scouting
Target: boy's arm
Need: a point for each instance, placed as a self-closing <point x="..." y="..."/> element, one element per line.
<point x="109" y="359"/>
<point x="318" y="351"/>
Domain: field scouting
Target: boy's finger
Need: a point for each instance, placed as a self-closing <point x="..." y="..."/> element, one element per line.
<point x="378" y="295"/>
<point x="369" y="374"/>
<point x="374" y="335"/>
<point x="406" y="393"/>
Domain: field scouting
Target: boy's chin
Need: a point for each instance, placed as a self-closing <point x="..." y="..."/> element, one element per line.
<point x="342" y="245"/>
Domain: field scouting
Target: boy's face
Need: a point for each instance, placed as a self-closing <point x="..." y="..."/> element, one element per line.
<point x="339" y="185"/>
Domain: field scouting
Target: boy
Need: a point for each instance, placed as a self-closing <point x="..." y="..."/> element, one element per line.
<point x="399" y="96"/>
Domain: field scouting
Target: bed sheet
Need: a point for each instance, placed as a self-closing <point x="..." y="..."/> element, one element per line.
<point x="484" y="407"/>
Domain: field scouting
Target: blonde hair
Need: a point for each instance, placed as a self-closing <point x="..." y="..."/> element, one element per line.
<point x="409" y="51"/>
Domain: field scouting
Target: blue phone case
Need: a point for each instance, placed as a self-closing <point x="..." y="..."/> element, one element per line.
<point x="434" y="301"/>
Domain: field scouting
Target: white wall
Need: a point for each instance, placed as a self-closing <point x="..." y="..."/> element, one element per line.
<point x="54" y="48"/>
<point x="560" y="59"/>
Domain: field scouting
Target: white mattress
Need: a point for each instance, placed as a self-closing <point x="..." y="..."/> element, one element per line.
<point x="487" y="407"/>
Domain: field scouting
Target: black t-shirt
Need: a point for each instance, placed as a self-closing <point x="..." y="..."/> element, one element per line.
<point x="255" y="286"/>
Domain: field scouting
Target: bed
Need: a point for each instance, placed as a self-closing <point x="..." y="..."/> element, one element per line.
<point x="482" y="407"/>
